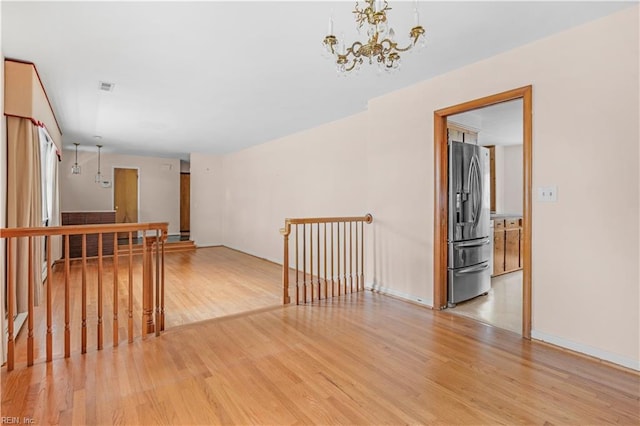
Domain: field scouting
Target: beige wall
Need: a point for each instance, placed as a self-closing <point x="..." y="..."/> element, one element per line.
<point x="159" y="185"/>
<point x="512" y="185"/>
<point x="207" y="186"/>
<point x="499" y="162"/>
<point x="585" y="141"/>
<point x="585" y="92"/>
<point x="319" y="172"/>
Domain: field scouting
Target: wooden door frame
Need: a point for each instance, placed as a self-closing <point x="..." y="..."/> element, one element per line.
<point x="441" y="206"/>
<point x="113" y="186"/>
<point x="181" y="212"/>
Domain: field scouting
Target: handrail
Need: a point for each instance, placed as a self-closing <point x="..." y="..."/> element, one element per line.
<point x="288" y="222"/>
<point x="153" y="246"/>
<point x="336" y="274"/>
<point x="82" y="229"/>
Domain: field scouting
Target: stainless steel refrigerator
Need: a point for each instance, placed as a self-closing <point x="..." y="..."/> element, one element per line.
<point x="469" y="269"/>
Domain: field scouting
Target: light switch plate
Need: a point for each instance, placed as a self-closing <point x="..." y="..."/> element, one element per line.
<point x="548" y="194"/>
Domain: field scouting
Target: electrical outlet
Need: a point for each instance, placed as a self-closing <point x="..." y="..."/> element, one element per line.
<point x="548" y="194"/>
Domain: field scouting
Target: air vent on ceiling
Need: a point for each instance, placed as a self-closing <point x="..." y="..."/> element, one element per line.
<point x="106" y="87"/>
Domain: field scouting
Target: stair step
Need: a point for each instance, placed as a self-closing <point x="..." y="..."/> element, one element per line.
<point x="172" y="246"/>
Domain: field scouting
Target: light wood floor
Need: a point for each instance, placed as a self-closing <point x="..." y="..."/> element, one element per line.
<point x="359" y="359"/>
<point x="200" y="285"/>
<point x="501" y="307"/>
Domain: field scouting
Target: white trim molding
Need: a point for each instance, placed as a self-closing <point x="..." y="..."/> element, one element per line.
<point x="586" y="349"/>
<point x="410" y="297"/>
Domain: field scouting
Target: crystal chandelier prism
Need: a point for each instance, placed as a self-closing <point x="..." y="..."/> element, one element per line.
<point x="381" y="47"/>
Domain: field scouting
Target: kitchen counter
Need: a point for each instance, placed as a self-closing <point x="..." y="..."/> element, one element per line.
<point x="505" y="215"/>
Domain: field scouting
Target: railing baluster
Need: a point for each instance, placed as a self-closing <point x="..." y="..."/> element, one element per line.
<point x="338" y="259"/>
<point x="344" y="255"/>
<point x="157" y="307"/>
<point x="357" y="259"/>
<point x="325" y="261"/>
<point x="332" y="251"/>
<point x="26" y="241"/>
<point x="285" y="267"/>
<point x="318" y="262"/>
<point x="100" y="270"/>
<point x="67" y="330"/>
<point x="162" y="287"/>
<point x="311" y="260"/>
<point x="30" y="290"/>
<point x="49" y="313"/>
<point x="84" y="293"/>
<point x="362" y="283"/>
<point x="130" y="304"/>
<point x="351" y="257"/>
<point x="297" y="269"/>
<point x="115" y="290"/>
<point x="304" y="262"/>
<point x="11" y="300"/>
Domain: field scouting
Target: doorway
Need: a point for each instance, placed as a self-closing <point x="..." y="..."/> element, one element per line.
<point x="185" y="203"/>
<point x="125" y="196"/>
<point x="441" y="191"/>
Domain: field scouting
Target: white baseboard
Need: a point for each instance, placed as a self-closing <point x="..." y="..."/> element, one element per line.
<point x="587" y="350"/>
<point x="203" y="245"/>
<point x="385" y="290"/>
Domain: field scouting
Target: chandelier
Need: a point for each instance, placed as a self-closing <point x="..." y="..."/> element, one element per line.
<point x="381" y="46"/>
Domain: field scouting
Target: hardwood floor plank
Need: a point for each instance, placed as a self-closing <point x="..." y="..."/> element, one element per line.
<point x="359" y="359"/>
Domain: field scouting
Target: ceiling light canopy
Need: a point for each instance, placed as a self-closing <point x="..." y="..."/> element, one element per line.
<point x="381" y="46"/>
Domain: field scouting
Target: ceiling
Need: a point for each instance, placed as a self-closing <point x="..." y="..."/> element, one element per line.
<point x="499" y="124"/>
<point x="217" y="77"/>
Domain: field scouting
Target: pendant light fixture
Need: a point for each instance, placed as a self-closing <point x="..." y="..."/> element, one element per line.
<point x="98" y="175"/>
<point x="75" y="169"/>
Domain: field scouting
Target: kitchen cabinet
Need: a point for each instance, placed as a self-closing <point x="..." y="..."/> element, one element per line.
<point x="520" y="264"/>
<point x="512" y="245"/>
<point x="458" y="133"/>
<point x="507" y="245"/>
<point x="498" y="247"/>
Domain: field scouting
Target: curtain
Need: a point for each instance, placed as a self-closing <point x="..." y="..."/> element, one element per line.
<point x="24" y="204"/>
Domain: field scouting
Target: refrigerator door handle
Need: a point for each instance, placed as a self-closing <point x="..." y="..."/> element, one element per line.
<point x="472" y="269"/>
<point x="476" y="179"/>
<point x="474" y="243"/>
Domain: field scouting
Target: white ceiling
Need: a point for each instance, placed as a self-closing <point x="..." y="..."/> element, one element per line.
<point x="217" y="77"/>
<point x="499" y="124"/>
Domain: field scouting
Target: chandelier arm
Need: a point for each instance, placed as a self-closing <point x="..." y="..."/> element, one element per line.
<point x="353" y="65"/>
<point x="403" y="49"/>
<point x="354" y="50"/>
<point x="390" y="45"/>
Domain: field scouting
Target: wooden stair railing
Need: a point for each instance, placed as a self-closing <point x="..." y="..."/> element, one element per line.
<point x="152" y="297"/>
<point x="335" y="259"/>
